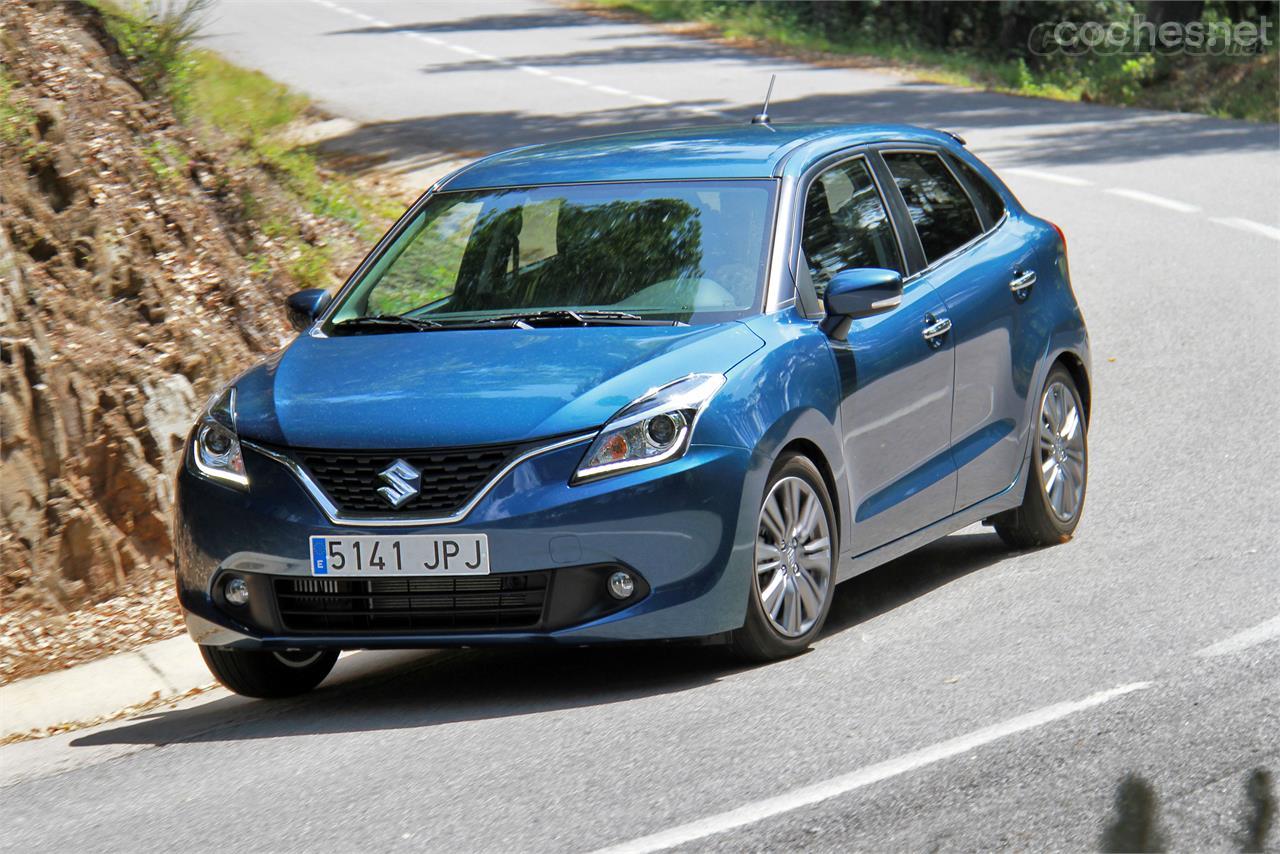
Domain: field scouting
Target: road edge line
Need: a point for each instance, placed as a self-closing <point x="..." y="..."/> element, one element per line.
<point x="845" y="783"/>
<point x="1267" y="630"/>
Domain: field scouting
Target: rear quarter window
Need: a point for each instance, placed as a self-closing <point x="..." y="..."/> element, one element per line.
<point x="940" y="209"/>
<point x="988" y="199"/>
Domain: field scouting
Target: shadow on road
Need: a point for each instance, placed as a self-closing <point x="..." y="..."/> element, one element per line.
<point x="540" y="20"/>
<point x="1043" y="131"/>
<point x="1046" y="132"/>
<point x="911" y="576"/>
<point x="425" y="689"/>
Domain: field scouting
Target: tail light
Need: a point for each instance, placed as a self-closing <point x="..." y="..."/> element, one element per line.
<point x="1062" y="258"/>
<point x="1061" y="235"/>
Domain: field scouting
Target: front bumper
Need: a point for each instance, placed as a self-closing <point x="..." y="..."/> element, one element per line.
<point x="684" y="528"/>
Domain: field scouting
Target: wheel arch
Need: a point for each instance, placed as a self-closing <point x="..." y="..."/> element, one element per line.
<point x="810" y="451"/>
<point x="1074" y="366"/>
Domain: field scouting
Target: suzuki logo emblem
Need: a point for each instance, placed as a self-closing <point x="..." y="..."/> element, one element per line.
<point x="403" y="482"/>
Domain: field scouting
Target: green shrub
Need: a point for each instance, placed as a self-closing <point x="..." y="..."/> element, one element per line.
<point x="987" y="45"/>
<point x="247" y="104"/>
<point x="17" y="121"/>
<point x="157" y="36"/>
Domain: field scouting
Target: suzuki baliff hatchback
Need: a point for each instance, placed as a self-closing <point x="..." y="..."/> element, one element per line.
<point x="649" y="386"/>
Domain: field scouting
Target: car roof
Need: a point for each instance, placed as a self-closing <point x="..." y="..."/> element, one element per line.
<point x="719" y="151"/>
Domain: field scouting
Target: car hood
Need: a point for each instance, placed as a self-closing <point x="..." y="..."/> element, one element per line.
<point x="469" y="387"/>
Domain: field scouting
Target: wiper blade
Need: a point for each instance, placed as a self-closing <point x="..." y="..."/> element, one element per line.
<point x="585" y="317"/>
<point x="384" y="323"/>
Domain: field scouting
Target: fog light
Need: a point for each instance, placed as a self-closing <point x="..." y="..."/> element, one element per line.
<point x="237" y="592"/>
<point x="621" y="585"/>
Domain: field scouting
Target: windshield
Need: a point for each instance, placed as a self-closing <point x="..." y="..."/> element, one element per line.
<point x="678" y="251"/>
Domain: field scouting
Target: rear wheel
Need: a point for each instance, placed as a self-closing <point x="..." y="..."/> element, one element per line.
<point x="793" y="580"/>
<point x="1054" y="497"/>
<point x="269" y="673"/>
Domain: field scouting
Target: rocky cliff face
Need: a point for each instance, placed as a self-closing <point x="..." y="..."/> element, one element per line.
<point x="125" y="300"/>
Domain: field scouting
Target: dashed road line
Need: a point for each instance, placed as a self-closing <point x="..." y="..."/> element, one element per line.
<point x="527" y="69"/>
<point x="808" y="795"/>
<point x="1053" y="177"/>
<point x="1069" y="180"/>
<point x="1152" y="199"/>
<point x="1239" y="223"/>
<point x="1259" y="634"/>
<point x="467" y="51"/>
<point x="1247" y="225"/>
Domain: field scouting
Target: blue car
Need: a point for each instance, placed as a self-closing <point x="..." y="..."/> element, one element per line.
<point x="652" y="386"/>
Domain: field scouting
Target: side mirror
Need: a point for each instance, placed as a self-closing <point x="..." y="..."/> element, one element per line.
<point x="304" y="307"/>
<point x="852" y="294"/>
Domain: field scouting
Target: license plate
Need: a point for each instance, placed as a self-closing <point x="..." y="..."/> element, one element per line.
<point x="416" y="554"/>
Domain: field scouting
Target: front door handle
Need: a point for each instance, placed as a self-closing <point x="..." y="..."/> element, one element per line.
<point x="1021" y="284"/>
<point x="935" y="330"/>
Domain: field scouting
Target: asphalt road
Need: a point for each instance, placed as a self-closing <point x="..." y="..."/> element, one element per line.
<point x="964" y="697"/>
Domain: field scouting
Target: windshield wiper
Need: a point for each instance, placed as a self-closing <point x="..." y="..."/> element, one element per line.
<point x="383" y="323"/>
<point x="561" y="316"/>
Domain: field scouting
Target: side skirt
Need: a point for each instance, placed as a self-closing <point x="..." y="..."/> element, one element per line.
<point x="854" y="565"/>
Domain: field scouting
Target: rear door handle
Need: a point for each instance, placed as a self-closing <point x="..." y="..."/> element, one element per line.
<point x="1022" y="282"/>
<point x="935" y="330"/>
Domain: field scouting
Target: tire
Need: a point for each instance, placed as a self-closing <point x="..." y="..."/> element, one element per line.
<point x="269" y="674"/>
<point x="781" y="620"/>
<point x="1059" y="472"/>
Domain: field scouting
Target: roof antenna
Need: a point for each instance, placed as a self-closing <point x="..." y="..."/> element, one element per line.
<point x="762" y="117"/>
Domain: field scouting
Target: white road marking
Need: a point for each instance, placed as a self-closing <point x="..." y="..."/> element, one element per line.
<point x="1069" y="180"/>
<point x="1152" y="199"/>
<point x="1248" y="225"/>
<point x="1054" y="177"/>
<point x="463" y="49"/>
<point x="808" y="795"/>
<point x="527" y="69"/>
<point x="1261" y="633"/>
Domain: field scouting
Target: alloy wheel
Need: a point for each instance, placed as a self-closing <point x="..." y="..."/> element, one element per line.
<point x="1062" y="451"/>
<point x="793" y="557"/>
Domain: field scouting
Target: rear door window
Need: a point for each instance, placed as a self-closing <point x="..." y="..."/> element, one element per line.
<point x="845" y="225"/>
<point x="943" y="216"/>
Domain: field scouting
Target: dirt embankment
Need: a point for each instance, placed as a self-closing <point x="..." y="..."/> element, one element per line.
<point x="126" y="298"/>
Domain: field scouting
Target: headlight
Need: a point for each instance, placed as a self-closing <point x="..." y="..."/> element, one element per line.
<point x="215" y="451"/>
<point x="651" y="430"/>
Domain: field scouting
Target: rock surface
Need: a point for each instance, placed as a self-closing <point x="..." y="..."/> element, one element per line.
<point x="125" y="300"/>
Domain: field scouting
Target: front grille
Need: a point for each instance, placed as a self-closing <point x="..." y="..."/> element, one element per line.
<point x="450" y="476"/>
<point x="323" y="605"/>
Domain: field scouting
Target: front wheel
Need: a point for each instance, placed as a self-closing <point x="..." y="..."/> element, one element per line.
<point x="793" y="581"/>
<point x="1054" y="497"/>
<point x="269" y="674"/>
